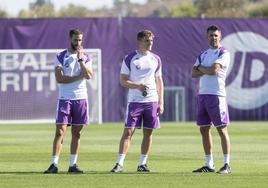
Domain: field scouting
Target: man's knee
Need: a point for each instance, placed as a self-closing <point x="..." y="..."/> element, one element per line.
<point x="76" y="135"/>
<point x="59" y="133"/>
<point x="127" y="134"/>
<point x="147" y="133"/>
<point x="76" y="132"/>
<point x="222" y="131"/>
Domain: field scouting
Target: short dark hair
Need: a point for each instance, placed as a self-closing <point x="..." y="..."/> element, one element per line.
<point x="213" y="28"/>
<point x="75" y="32"/>
<point x="144" y="33"/>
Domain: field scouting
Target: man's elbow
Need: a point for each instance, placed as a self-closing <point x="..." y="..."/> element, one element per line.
<point x="60" y="80"/>
<point x="122" y="83"/>
<point x="88" y="77"/>
<point x="195" y="74"/>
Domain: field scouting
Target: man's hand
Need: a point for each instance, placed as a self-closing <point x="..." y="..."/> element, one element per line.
<point x="144" y="89"/>
<point x="196" y="73"/>
<point x="196" y="67"/>
<point x="160" y="109"/>
<point x="80" y="52"/>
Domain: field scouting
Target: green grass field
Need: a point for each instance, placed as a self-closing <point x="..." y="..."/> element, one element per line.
<point x="25" y="152"/>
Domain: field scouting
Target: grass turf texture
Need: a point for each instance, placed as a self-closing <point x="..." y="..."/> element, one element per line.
<point x="25" y="152"/>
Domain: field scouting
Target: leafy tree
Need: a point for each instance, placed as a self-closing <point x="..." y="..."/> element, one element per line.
<point x="40" y="8"/>
<point x="74" y="11"/>
<point x="119" y="2"/>
<point x="38" y="11"/>
<point x="183" y="10"/>
<point x="258" y="10"/>
<point x="41" y="3"/>
<point x="3" y="13"/>
<point x="220" y="8"/>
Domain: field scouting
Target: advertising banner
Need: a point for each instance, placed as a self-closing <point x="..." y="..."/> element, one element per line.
<point x="178" y="41"/>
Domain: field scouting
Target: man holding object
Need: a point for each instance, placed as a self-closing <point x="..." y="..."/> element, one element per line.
<point x="141" y="73"/>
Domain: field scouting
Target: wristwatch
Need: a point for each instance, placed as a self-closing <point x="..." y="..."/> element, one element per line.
<point x="80" y="59"/>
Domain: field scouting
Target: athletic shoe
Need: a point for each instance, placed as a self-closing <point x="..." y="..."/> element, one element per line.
<point x="52" y="169"/>
<point x="143" y="168"/>
<point x="75" y="169"/>
<point x="226" y="169"/>
<point x="204" y="169"/>
<point x="117" y="168"/>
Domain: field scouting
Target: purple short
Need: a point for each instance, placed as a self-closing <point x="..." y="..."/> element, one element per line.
<point x="212" y="110"/>
<point x="72" y="112"/>
<point x="146" y="113"/>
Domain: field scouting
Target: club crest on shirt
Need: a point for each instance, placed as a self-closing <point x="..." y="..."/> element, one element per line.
<point x="67" y="64"/>
<point x="138" y="66"/>
<point x="62" y="109"/>
<point x="132" y="114"/>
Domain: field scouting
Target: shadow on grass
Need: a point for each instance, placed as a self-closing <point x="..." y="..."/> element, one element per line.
<point x="21" y="173"/>
<point x="85" y="173"/>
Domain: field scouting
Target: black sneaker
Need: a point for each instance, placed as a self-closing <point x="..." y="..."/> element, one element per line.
<point x="143" y="168"/>
<point x="117" y="168"/>
<point x="226" y="169"/>
<point x="204" y="169"/>
<point x="75" y="169"/>
<point x="52" y="169"/>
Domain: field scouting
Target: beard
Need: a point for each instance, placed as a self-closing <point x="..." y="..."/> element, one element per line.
<point x="74" y="47"/>
<point x="214" y="44"/>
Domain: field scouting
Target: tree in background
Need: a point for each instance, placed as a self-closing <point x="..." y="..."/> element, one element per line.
<point x="153" y="8"/>
<point x="44" y="8"/>
<point x="74" y="11"/>
<point x="258" y="9"/>
<point x="41" y="8"/>
<point x="41" y="3"/>
<point x="119" y="2"/>
<point x="183" y="10"/>
<point x="220" y="8"/>
<point x="3" y="13"/>
<point x="122" y="7"/>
